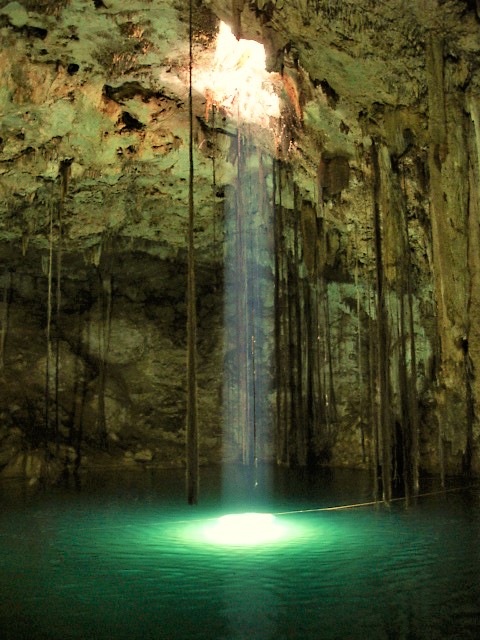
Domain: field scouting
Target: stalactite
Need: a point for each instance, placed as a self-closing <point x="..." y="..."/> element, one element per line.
<point x="305" y="397"/>
<point x="322" y="373"/>
<point x="105" y="280"/>
<point x="293" y="379"/>
<point x="192" y="456"/>
<point x="305" y="381"/>
<point x="371" y="360"/>
<point x="278" y="368"/>
<point x="359" y="343"/>
<point x="439" y="220"/>
<point x="310" y="408"/>
<point x="299" y="423"/>
<point x="79" y="392"/>
<point x="383" y="356"/>
<point x="373" y="395"/>
<point x="412" y="387"/>
<point x="327" y="359"/>
<point x="322" y="336"/>
<point x="214" y="195"/>
<point x="332" y="402"/>
<point x="4" y="316"/>
<point x="471" y="342"/>
<point x="49" y="326"/>
<point x="413" y="396"/>
<point x="470" y="410"/>
<point x="399" y="412"/>
<point x="322" y="423"/>
<point x="309" y="382"/>
<point x="25" y="242"/>
<point x="64" y="177"/>
<point x="283" y="364"/>
<point x="57" y="332"/>
<point x="405" y="426"/>
<point x="237" y="8"/>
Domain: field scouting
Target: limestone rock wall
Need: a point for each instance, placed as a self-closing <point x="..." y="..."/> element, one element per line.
<point x="368" y="202"/>
<point x="136" y="411"/>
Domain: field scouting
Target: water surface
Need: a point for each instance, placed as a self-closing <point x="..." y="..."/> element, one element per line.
<point x="125" y="558"/>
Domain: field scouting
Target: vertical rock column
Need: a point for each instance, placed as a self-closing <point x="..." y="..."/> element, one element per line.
<point x="448" y="197"/>
<point x="399" y="402"/>
<point x="472" y="342"/>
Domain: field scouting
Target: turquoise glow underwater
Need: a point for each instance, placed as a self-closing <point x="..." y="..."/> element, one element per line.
<point x="130" y="560"/>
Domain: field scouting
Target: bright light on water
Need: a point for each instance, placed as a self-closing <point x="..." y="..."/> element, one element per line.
<point x="245" y="529"/>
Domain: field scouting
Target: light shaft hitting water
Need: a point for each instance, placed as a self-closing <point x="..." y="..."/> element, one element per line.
<point x="240" y="88"/>
<point x="248" y="310"/>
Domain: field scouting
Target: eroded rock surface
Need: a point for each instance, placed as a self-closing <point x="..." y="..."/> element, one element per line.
<point x="367" y="196"/>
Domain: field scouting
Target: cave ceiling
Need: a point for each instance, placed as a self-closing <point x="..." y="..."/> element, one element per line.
<point x="99" y="88"/>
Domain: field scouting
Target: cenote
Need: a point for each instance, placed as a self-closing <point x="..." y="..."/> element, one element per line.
<point x="239" y="319"/>
<point x="126" y="558"/>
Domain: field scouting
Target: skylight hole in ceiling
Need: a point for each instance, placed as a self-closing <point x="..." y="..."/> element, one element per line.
<point x="239" y="84"/>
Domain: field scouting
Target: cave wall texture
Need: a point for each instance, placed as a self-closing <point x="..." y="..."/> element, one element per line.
<point x="368" y="331"/>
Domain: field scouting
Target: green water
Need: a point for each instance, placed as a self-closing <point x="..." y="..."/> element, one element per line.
<point x="125" y="558"/>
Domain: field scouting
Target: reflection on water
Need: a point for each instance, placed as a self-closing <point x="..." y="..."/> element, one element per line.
<point x="127" y="560"/>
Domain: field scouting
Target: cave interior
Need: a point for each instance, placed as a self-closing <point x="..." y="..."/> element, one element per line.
<point x="207" y="261"/>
